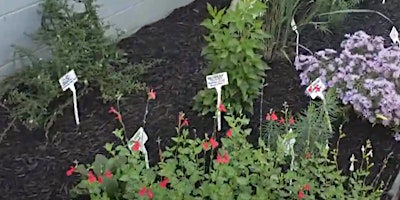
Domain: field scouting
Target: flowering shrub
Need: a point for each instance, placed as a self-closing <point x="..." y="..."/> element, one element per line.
<point x="229" y="168"/>
<point x="365" y="74"/>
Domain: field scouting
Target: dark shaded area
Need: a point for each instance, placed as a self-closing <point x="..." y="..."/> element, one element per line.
<point x="30" y="168"/>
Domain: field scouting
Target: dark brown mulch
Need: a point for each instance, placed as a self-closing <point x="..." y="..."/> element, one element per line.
<point x="32" y="169"/>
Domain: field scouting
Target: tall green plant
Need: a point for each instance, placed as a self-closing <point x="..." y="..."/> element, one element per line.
<point x="235" y="44"/>
<point x="279" y="15"/>
<point x="75" y="41"/>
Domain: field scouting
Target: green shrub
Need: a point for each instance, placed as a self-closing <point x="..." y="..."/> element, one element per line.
<point x="204" y="169"/>
<point x="75" y="41"/>
<point x="234" y="45"/>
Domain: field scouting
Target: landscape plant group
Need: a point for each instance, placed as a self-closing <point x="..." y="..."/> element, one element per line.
<point x="291" y="158"/>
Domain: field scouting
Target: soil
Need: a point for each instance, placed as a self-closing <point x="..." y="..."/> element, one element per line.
<point x="33" y="168"/>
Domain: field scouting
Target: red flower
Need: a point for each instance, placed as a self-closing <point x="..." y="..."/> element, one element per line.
<point x="113" y="110"/>
<point x="150" y="194"/>
<point x="308" y="155"/>
<point x="229" y="133"/>
<point x="221" y="107"/>
<point x="291" y="120"/>
<point x="274" y="117"/>
<point x="185" y="122"/>
<point x="151" y="94"/>
<point x="100" y="179"/>
<point x="281" y="120"/>
<point x="223" y="159"/>
<point x="268" y="117"/>
<point x="300" y="194"/>
<point x="164" y="182"/>
<point x="206" y="146"/>
<point x="213" y="143"/>
<point x="136" y="146"/>
<point x="142" y="191"/>
<point x="108" y="174"/>
<point x="307" y="187"/>
<point x="70" y="171"/>
<point x="92" y="178"/>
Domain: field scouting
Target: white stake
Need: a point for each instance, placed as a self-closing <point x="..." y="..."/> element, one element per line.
<point x="219" y="90"/>
<point x="68" y="82"/>
<point x="294" y="28"/>
<point x="217" y="81"/>
<point x="75" y="101"/>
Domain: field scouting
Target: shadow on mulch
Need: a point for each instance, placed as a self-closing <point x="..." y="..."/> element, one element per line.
<point x="30" y="169"/>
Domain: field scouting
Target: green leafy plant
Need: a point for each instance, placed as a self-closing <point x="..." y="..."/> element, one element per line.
<point x="231" y="168"/>
<point x="75" y="41"/>
<point x="312" y="125"/>
<point x="235" y="43"/>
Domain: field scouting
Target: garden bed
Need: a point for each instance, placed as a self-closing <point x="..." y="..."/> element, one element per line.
<point x="32" y="168"/>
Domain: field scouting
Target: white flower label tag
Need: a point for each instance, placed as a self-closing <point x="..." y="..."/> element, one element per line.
<point x="216" y="81"/>
<point x="68" y="82"/>
<point x="316" y="89"/>
<point x="394" y="35"/>
<point x="141" y="137"/>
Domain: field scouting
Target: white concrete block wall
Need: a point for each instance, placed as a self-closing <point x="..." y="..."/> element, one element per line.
<point x="19" y="18"/>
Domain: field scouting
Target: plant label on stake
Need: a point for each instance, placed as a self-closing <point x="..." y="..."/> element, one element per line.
<point x="141" y="137"/>
<point x="216" y="81"/>
<point x="316" y="89"/>
<point x="294" y="28"/>
<point x="68" y="82"/>
<point x="394" y="35"/>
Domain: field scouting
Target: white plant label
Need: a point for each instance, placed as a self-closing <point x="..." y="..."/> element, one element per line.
<point x="68" y="82"/>
<point x="294" y="28"/>
<point x="383" y="1"/>
<point x="141" y="137"/>
<point x="316" y="89"/>
<point x="394" y="35"/>
<point x="216" y="81"/>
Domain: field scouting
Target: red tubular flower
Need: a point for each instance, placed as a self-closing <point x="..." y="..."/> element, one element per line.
<point x="136" y="146"/>
<point x="281" y="120"/>
<point x="108" y="174"/>
<point x="213" y="143"/>
<point x="142" y="191"/>
<point x="229" y="133"/>
<point x="300" y="194"/>
<point x="185" y="122"/>
<point x="164" y="182"/>
<point x="307" y="187"/>
<point x="92" y="178"/>
<point x="114" y="111"/>
<point x="291" y="120"/>
<point x="223" y="159"/>
<point x="70" y="171"/>
<point x="151" y="94"/>
<point x="274" y="117"/>
<point x="268" y="117"/>
<point x="206" y="146"/>
<point x="150" y="194"/>
<point x="221" y="108"/>
<point x="99" y="179"/>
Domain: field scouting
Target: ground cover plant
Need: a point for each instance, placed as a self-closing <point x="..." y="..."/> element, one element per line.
<point x="76" y="41"/>
<point x="86" y="158"/>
